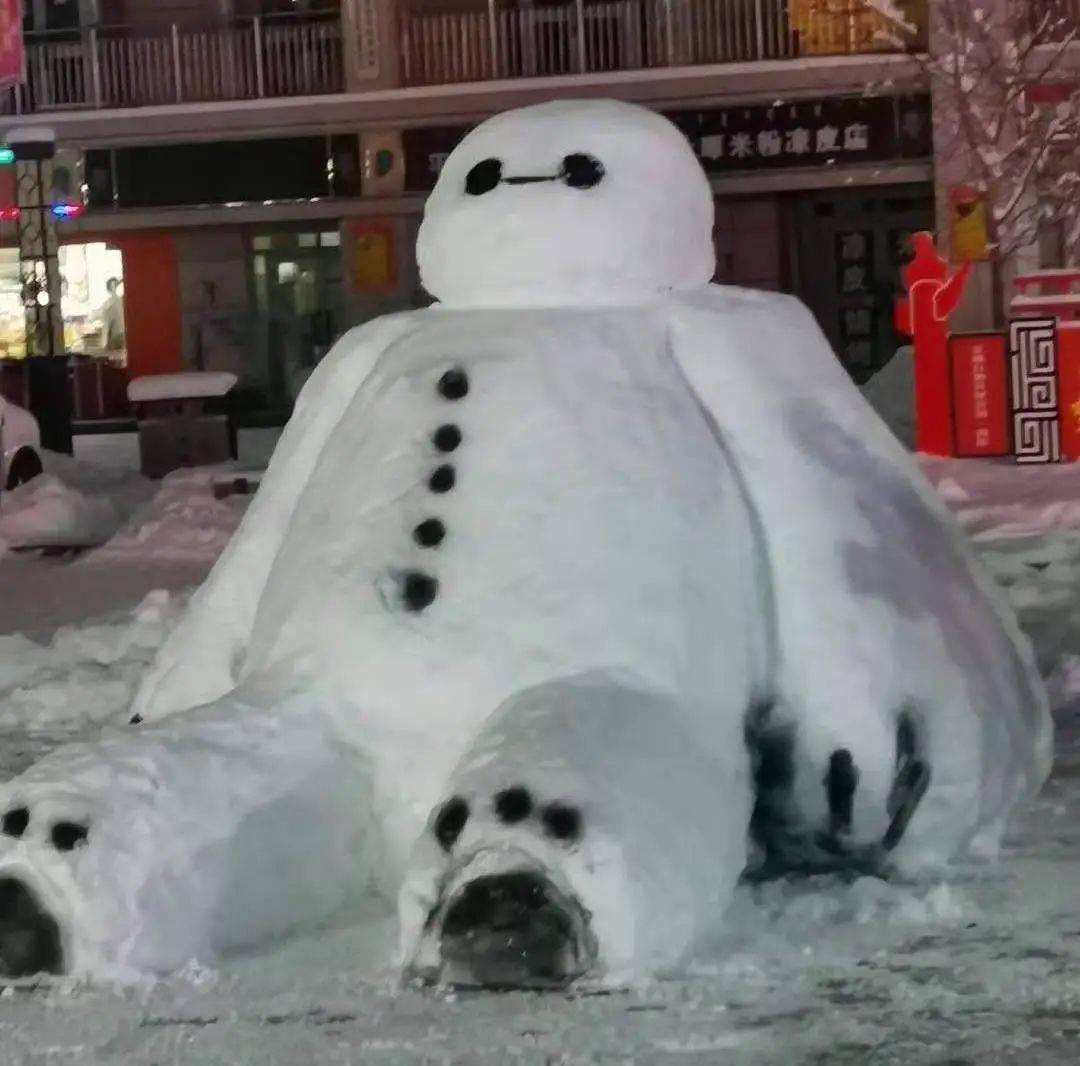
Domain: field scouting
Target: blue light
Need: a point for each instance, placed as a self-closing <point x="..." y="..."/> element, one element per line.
<point x="66" y="210"/>
<point x="7" y="156"/>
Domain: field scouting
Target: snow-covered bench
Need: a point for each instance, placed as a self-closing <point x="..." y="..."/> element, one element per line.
<point x="184" y="420"/>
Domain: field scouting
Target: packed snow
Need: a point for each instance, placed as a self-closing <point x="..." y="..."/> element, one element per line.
<point x="978" y="966"/>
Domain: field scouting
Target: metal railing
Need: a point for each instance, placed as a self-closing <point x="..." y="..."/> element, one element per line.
<point x="589" y="36"/>
<point x="105" y="67"/>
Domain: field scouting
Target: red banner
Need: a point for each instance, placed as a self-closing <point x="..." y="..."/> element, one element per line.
<point x="1069" y="387"/>
<point x="12" y="57"/>
<point x="980" y="393"/>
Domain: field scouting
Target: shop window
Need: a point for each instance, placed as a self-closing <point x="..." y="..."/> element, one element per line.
<point x="92" y="293"/>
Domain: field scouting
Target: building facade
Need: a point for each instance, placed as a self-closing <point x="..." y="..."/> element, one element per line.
<point x="254" y="171"/>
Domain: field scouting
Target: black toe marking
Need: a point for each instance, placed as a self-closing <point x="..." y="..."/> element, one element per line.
<point x="907" y="793"/>
<point x="513" y="805"/>
<point x="454" y="384"/>
<point x="430" y="533"/>
<point x="14" y="823"/>
<point x="447" y="438"/>
<point x="840" y="784"/>
<point x="443" y="479"/>
<point x="562" y="822"/>
<point x="67" y="836"/>
<point x="418" y="590"/>
<point x="450" y="822"/>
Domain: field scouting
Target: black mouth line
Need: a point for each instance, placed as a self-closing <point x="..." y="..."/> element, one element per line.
<point x="529" y="180"/>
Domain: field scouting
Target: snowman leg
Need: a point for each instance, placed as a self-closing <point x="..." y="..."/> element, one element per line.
<point x="215" y="829"/>
<point x="594" y="828"/>
<point x="789" y="842"/>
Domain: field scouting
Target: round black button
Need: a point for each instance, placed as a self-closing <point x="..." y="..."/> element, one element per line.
<point x="454" y="384"/>
<point x="418" y="590"/>
<point x="430" y="533"/>
<point x="443" y="479"/>
<point x="446" y="438"/>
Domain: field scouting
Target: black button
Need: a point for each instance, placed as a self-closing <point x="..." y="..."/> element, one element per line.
<point x="418" y="590"/>
<point x="443" y="479"/>
<point x="447" y="438"/>
<point x="430" y="533"/>
<point x="454" y="384"/>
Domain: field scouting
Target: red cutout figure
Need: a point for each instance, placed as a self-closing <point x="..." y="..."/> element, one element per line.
<point x="923" y="315"/>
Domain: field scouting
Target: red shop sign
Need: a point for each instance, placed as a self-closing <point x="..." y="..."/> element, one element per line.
<point x="980" y="394"/>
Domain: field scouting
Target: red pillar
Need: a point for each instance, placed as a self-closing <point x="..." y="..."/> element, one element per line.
<point x="151" y="303"/>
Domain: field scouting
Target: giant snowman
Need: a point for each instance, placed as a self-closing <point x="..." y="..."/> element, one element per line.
<point x="563" y="604"/>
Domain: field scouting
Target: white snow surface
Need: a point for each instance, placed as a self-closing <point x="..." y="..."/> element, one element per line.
<point x="192" y="384"/>
<point x="977" y="966"/>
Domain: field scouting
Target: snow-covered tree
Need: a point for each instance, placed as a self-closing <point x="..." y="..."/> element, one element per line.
<point x="1006" y="75"/>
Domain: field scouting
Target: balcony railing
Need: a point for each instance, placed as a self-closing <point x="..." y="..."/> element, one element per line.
<point x="589" y="36"/>
<point x="120" y="67"/>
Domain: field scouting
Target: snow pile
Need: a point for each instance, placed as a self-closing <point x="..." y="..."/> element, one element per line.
<point x="183" y="522"/>
<point x="194" y="384"/>
<point x="995" y="498"/>
<point x="72" y="504"/>
<point x="85" y="675"/>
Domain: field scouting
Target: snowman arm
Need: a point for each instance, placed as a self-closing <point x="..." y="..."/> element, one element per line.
<point x="198" y="662"/>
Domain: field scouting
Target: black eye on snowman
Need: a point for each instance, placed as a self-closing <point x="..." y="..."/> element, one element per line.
<point x="581" y="171"/>
<point x="483" y="177"/>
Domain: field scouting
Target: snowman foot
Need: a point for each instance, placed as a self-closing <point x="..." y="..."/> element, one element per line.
<point x="789" y="850"/>
<point x="29" y="935"/>
<point x="511" y="930"/>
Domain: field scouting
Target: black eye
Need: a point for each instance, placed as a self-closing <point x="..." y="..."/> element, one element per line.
<point x="483" y="177"/>
<point x="581" y="171"/>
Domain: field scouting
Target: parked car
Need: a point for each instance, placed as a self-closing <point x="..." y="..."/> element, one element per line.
<point x="20" y="446"/>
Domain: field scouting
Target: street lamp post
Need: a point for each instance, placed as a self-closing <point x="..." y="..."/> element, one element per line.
<point x="39" y="270"/>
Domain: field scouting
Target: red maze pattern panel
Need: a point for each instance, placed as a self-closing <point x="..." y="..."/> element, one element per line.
<point x="1033" y="362"/>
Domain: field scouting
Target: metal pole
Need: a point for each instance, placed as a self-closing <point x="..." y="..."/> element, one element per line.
<point x="669" y="23"/>
<point x="176" y="62"/>
<point x="260" y="84"/>
<point x="493" y="39"/>
<point x="95" y="66"/>
<point x="39" y="273"/>
<point x="579" y="7"/>
<point x="759" y="20"/>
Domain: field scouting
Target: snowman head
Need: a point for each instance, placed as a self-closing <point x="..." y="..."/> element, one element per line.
<point x="570" y="203"/>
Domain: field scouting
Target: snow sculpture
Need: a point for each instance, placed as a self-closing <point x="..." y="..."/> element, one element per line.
<point x="561" y="602"/>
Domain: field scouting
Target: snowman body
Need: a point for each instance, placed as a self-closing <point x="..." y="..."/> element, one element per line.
<point x="554" y="596"/>
<point x="570" y="511"/>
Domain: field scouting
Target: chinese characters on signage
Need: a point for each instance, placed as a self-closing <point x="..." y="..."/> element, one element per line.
<point x="829" y="132"/>
<point x="813" y="133"/>
<point x="855" y="286"/>
<point x="980" y="405"/>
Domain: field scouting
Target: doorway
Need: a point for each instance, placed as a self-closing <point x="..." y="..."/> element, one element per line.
<point x="850" y="246"/>
<point x="297" y="280"/>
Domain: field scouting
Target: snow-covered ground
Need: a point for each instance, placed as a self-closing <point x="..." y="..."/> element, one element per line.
<point x="981" y="967"/>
